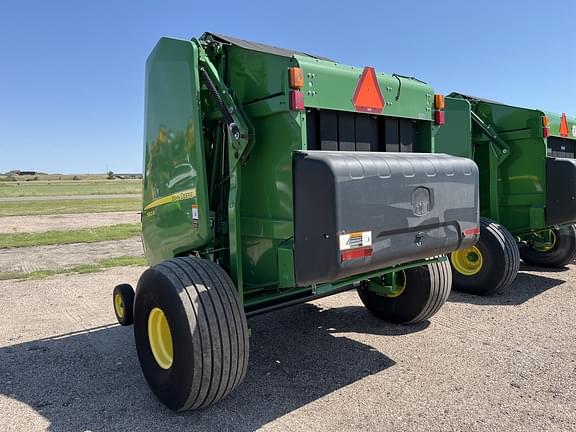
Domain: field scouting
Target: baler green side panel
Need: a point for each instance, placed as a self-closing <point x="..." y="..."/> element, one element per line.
<point x="260" y="81"/>
<point x="522" y="176"/>
<point x="175" y="215"/>
<point x="455" y="136"/>
<point x="255" y="76"/>
<point x="267" y="198"/>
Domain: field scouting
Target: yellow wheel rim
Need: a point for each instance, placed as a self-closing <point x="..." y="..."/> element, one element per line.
<point x="119" y="305"/>
<point x="400" y="285"/>
<point x="545" y="247"/>
<point x="467" y="261"/>
<point x="160" y="338"/>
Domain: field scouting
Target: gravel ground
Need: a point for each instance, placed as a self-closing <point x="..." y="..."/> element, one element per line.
<point x="21" y="224"/>
<point x="506" y="363"/>
<point x="68" y="197"/>
<point x="56" y="257"/>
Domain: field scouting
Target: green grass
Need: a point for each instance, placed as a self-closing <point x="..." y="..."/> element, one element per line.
<point x="24" y="208"/>
<point x="39" y="274"/>
<point x="84" y="235"/>
<point x="122" y="261"/>
<point x="68" y="187"/>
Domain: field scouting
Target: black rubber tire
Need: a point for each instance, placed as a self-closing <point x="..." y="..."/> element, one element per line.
<point x="501" y="262"/>
<point x="427" y="289"/>
<point x="126" y="294"/>
<point x="208" y="328"/>
<point x="563" y="252"/>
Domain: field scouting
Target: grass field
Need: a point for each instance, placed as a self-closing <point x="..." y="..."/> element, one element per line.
<point x="85" y="235"/>
<point x="25" y="208"/>
<point x="59" y="177"/>
<point x="67" y="188"/>
<point x="84" y="268"/>
<point x="122" y="195"/>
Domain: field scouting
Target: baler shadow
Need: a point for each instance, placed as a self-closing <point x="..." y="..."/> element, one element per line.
<point x="527" y="267"/>
<point x="525" y="287"/>
<point x="91" y="380"/>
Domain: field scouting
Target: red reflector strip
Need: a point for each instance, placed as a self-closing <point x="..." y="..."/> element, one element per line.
<point x="546" y="132"/>
<point x="296" y="100"/>
<point x="439" y="117"/>
<point x="471" y="231"/>
<point x="352" y="254"/>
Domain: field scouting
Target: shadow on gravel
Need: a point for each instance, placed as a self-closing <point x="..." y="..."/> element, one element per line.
<point x="92" y="380"/>
<point x="525" y="287"/>
<point x="526" y="267"/>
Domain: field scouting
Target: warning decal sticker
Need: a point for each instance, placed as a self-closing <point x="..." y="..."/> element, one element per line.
<point x="195" y="218"/>
<point x="355" y="240"/>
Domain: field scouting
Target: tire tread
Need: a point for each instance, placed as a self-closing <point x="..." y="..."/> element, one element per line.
<point x="218" y="327"/>
<point x="511" y="265"/>
<point x="433" y="279"/>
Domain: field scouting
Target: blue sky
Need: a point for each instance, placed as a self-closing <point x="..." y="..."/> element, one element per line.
<point x="71" y="72"/>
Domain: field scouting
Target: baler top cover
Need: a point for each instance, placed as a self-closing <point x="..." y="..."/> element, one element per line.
<point x="326" y="84"/>
<point x="255" y="46"/>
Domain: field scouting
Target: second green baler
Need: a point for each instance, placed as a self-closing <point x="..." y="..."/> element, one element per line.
<point x="526" y="159"/>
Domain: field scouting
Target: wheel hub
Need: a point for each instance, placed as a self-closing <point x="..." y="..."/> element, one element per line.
<point x="160" y="338"/>
<point x="467" y="261"/>
<point x="399" y="284"/>
<point x="119" y="305"/>
<point x="544" y="246"/>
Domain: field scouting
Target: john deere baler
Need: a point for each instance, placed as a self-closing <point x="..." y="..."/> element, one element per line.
<point x="274" y="177"/>
<point x="527" y="164"/>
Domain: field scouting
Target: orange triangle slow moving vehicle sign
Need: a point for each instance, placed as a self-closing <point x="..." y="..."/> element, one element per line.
<point x="368" y="97"/>
<point x="564" y="126"/>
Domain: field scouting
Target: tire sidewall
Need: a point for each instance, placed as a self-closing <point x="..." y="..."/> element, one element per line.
<point x="126" y="293"/>
<point x="408" y="305"/>
<point x="156" y="290"/>
<point x="495" y="262"/>
<point x="492" y="253"/>
<point x="561" y="253"/>
<point x="565" y="243"/>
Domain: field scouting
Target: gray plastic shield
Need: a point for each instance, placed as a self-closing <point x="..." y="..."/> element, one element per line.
<point x="408" y="206"/>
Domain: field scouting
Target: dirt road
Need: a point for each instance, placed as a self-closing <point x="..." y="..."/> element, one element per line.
<point x="57" y="257"/>
<point x="506" y="363"/>
<point x="39" y="223"/>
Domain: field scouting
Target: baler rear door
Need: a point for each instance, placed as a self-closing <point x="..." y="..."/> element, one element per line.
<point x="175" y="216"/>
<point x="357" y="212"/>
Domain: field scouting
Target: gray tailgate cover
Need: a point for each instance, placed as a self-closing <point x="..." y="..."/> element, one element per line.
<point x="408" y="206"/>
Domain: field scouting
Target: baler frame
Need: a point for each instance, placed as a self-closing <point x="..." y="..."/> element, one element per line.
<point x="241" y="138"/>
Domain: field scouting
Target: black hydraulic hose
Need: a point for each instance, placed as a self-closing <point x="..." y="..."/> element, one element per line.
<point x="398" y="76"/>
<point x="215" y="95"/>
<point x="399" y="85"/>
